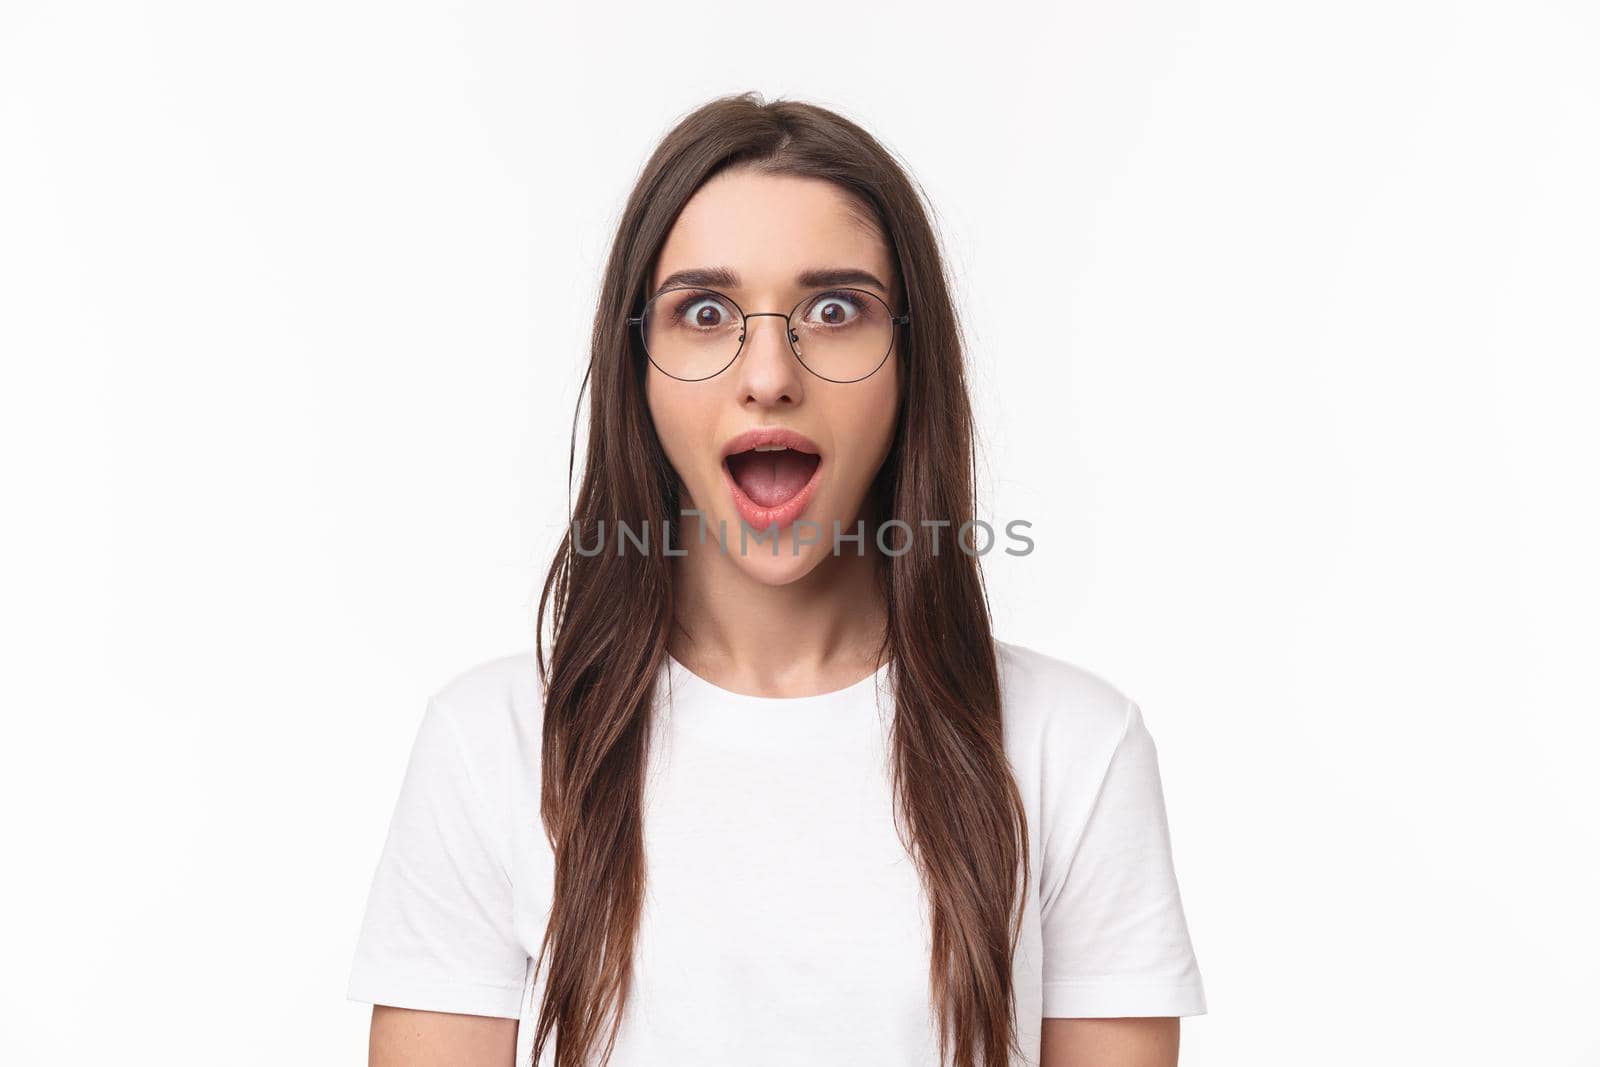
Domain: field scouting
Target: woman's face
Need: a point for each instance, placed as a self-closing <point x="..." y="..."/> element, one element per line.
<point x="765" y="231"/>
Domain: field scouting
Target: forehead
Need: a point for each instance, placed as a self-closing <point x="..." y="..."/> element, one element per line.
<point x="769" y="227"/>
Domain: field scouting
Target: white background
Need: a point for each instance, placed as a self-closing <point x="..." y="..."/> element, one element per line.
<point x="1284" y="335"/>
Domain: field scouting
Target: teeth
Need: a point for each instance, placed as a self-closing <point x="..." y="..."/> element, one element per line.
<point x="771" y="448"/>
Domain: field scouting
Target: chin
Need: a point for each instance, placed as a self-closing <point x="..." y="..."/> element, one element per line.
<point x="783" y="569"/>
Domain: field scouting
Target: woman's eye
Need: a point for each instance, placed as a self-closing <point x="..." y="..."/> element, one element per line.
<point x="704" y="313"/>
<point x="833" y="310"/>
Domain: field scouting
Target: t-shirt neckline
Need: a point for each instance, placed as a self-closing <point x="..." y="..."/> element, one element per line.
<point x="683" y="677"/>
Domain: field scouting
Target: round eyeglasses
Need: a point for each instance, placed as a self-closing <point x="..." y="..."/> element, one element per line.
<point x="840" y="335"/>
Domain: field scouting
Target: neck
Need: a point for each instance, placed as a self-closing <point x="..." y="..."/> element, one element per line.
<point x="815" y="634"/>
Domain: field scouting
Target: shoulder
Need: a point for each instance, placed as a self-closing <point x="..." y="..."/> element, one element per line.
<point x="1054" y="703"/>
<point x="494" y="707"/>
<point x="1071" y="734"/>
<point x="496" y="683"/>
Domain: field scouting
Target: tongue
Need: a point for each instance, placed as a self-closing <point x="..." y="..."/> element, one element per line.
<point x="770" y="478"/>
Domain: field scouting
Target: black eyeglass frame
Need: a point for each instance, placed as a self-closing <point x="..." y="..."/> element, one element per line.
<point x="788" y="329"/>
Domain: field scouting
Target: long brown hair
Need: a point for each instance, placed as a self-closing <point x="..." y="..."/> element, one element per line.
<point x="611" y="612"/>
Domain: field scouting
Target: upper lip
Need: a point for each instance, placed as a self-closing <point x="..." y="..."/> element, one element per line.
<point x="769" y="435"/>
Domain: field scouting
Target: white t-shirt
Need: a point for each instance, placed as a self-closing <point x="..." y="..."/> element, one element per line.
<point x="784" y="922"/>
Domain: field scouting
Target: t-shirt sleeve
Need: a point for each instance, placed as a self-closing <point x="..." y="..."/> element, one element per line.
<point x="439" y="930"/>
<point x="1116" y="942"/>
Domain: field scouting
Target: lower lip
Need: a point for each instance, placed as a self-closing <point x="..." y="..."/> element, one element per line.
<point x="781" y="515"/>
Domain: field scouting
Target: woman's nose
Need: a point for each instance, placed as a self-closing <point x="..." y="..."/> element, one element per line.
<point x="768" y="369"/>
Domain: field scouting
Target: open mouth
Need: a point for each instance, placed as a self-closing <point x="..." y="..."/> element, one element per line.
<point x="773" y="475"/>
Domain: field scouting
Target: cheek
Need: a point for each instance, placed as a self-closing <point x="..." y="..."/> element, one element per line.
<point x="871" y="423"/>
<point x="669" y="414"/>
<point x="678" y="412"/>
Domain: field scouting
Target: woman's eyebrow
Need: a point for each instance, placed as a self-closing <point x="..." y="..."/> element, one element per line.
<point x="699" y="278"/>
<point x="723" y="278"/>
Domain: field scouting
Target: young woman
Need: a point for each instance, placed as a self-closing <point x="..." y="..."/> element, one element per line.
<point x="774" y="794"/>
